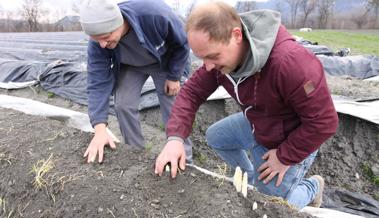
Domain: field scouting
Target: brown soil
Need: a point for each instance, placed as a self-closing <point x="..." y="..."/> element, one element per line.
<point x="353" y="88"/>
<point x="342" y="158"/>
<point x="123" y="186"/>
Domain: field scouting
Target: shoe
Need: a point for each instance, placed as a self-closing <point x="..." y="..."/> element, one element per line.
<point x="317" y="201"/>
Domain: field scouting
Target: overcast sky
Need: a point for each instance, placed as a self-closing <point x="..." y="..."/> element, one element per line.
<point x="13" y="5"/>
<point x="66" y="5"/>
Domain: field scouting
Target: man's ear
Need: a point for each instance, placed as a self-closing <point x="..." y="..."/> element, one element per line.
<point x="237" y="34"/>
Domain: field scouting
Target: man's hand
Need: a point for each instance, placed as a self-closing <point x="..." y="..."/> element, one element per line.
<point x="172" y="88"/>
<point x="173" y="153"/>
<point x="97" y="144"/>
<point x="271" y="168"/>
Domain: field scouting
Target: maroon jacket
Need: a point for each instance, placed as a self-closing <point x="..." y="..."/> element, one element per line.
<point x="287" y="103"/>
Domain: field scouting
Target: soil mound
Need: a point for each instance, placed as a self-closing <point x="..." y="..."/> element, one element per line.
<point x="44" y="175"/>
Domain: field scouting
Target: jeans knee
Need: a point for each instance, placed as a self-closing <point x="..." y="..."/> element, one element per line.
<point x="210" y="136"/>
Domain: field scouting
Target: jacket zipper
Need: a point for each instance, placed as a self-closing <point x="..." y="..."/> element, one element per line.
<point x="235" y="86"/>
<point x="240" y="80"/>
<point x="257" y="76"/>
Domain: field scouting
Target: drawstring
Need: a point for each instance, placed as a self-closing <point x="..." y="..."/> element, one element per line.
<point x="257" y="77"/>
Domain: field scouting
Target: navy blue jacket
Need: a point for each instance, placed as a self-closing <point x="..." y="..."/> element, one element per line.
<point x="159" y="31"/>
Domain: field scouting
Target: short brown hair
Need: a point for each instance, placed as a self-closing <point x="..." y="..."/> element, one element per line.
<point x="216" y="18"/>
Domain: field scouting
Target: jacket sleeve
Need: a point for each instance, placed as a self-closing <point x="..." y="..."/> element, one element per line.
<point x="302" y="84"/>
<point x="194" y="92"/>
<point x="173" y="31"/>
<point x="100" y="83"/>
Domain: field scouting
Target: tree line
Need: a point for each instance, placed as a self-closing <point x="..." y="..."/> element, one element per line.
<point x="33" y="17"/>
<point x="321" y="14"/>
<point x="295" y="14"/>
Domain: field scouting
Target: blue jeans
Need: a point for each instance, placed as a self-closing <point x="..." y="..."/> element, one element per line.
<point x="233" y="139"/>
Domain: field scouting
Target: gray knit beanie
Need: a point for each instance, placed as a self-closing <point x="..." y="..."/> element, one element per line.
<point x="100" y="16"/>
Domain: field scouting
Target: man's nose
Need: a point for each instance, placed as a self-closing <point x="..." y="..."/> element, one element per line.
<point x="209" y="66"/>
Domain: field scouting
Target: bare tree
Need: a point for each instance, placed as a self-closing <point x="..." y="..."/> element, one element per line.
<point x="75" y="7"/>
<point x="360" y="18"/>
<point x="279" y="6"/>
<point x="190" y="8"/>
<point x="374" y="6"/>
<point x="2" y="23"/>
<point x="294" y="7"/>
<point x="31" y="11"/>
<point x="9" y="24"/>
<point x="325" y="9"/>
<point x="307" y="7"/>
<point x="176" y="5"/>
<point x="243" y="6"/>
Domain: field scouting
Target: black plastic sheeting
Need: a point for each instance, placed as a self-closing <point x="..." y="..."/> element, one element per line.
<point x="44" y="47"/>
<point x="57" y="62"/>
<point x="362" y="66"/>
<point x="57" y="77"/>
<point x="316" y="48"/>
<point x="62" y="78"/>
<point x="350" y="202"/>
<point x="338" y="63"/>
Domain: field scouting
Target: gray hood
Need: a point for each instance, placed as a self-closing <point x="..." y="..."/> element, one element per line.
<point x="260" y="28"/>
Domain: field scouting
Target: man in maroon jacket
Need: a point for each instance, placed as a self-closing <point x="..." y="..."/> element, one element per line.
<point x="287" y="110"/>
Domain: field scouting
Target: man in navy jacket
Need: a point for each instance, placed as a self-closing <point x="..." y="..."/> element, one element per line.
<point x="128" y="43"/>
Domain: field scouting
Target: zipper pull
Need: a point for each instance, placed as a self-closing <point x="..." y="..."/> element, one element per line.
<point x="258" y="74"/>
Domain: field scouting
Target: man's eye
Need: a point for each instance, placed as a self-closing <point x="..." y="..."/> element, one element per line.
<point x="213" y="57"/>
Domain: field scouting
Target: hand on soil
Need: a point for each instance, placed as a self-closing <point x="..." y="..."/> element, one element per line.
<point x="272" y="167"/>
<point x="172" y="153"/>
<point x="97" y="144"/>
